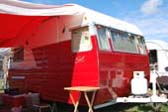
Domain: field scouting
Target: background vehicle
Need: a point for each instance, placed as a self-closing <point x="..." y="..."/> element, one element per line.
<point x="158" y="54"/>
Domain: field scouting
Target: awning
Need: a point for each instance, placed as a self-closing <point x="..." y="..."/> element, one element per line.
<point x="18" y="18"/>
<point x="24" y="8"/>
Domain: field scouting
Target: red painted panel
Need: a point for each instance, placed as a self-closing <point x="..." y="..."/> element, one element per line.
<point x="58" y="67"/>
<point x="13" y="101"/>
<point x="116" y="72"/>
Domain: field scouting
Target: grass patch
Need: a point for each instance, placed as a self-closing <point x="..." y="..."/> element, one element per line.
<point x="128" y="107"/>
<point x="149" y="107"/>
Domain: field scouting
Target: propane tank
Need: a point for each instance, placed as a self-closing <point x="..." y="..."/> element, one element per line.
<point x="139" y="83"/>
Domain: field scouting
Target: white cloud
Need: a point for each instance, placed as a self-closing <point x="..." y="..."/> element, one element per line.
<point x="154" y="20"/>
<point x="153" y="27"/>
<point x="151" y="6"/>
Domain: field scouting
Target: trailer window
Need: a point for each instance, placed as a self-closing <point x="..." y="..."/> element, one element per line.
<point x="140" y="42"/>
<point x="81" y="40"/>
<point x="123" y="41"/>
<point x="103" y="38"/>
<point x="153" y="60"/>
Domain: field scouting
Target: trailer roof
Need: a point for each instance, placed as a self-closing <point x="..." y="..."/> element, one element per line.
<point x="12" y="12"/>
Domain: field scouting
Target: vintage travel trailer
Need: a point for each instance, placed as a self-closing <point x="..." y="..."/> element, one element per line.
<point x="158" y="54"/>
<point x="68" y="45"/>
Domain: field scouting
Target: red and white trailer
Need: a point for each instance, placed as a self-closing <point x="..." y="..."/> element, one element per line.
<point x="69" y="45"/>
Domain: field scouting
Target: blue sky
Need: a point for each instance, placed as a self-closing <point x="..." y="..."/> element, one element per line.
<point x="149" y="15"/>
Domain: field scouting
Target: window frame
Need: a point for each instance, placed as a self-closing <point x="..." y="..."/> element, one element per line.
<point x="118" y="32"/>
<point x="107" y="39"/>
<point x="142" y="45"/>
<point x="72" y="40"/>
